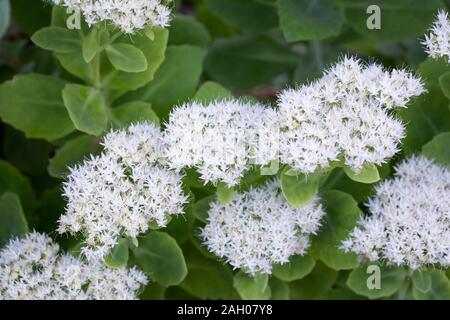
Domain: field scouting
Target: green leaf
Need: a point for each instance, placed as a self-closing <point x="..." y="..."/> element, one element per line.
<point x="30" y="16"/>
<point x="211" y="91"/>
<point x="249" y="60"/>
<point x="255" y="15"/>
<point x="87" y="108"/>
<point x="11" y="180"/>
<point x="368" y="174"/>
<point x="202" y="273"/>
<point x="315" y="285"/>
<point x="399" y="19"/>
<point x="57" y="39"/>
<point x="342" y="216"/>
<point x="71" y="153"/>
<point x="309" y="20"/>
<point x="297" y="268"/>
<point x="440" y="287"/>
<point x="118" y="257"/>
<point x="91" y="45"/>
<point x="12" y="218"/>
<point x="125" y="57"/>
<point x="33" y="104"/>
<point x="444" y="83"/>
<point x="299" y="190"/>
<point x="437" y="149"/>
<point x="391" y="279"/>
<point x="5" y="12"/>
<point x="161" y="258"/>
<point x="224" y="193"/>
<point x="252" y="288"/>
<point x="279" y="289"/>
<point x="187" y="30"/>
<point x="134" y="112"/>
<point x="421" y="280"/>
<point x="175" y="81"/>
<point x="200" y="208"/>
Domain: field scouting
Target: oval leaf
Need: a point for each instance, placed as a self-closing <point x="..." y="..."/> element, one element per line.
<point x="57" y="39"/>
<point x="297" y="268"/>
<point x="126" y="57"/>
<point x="299" y="190"/>
<point x="252" y="288"/>
<point x="118" y="257"/>
<point x="368" y="174"/>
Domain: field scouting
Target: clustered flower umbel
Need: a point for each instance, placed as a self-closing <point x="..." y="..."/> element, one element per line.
<point x="259" y="228"/>
<point x="410" y="218"/>
<point x="345" y="116"/>
<point x="118" y="193"/>
<point x="32" y="268"/>
<point x="437" y="42"/>
<point x="222" y="139"/>
<point x="128" y="15"/>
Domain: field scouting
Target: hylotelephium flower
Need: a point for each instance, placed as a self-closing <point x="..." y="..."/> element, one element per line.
<point x="345" y="116"/>
<point x="409" y="223"/>
<point x="32" y="268"/>
<point x="127" y="15"/>
<point x="437" y="42"/>
<point x="118" y="193"/>
<point x="222" y="139"/>
<point x="259" y="228"/>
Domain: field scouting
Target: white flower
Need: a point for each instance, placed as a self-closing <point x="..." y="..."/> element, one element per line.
<point x="31" y="268"/>
<point x="437" y="42"/>
<point x="346" y="116"/>
<point x="410" y="218"/>
<point x="221" y="139"/>
<point x="128" y="15"/>
<point x="121" y="191"/>
<point x="258" y="229"/>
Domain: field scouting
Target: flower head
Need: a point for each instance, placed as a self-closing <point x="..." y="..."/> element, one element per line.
<point x="221" y="139"/>
<point x="410" y="218"/>
<point x="31" y="268"/>
<point x="344" y="116"/>
<point x="127" y="15"/>
<point x="437" y="42"/>
<point x="121" y="191"/>
<point x="259" y="228"/>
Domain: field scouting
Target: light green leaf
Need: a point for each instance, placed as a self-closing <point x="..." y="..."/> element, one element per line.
<point x="252" y="288"/>
<point x="280" y="289"/>
<point x="87" y="108"/>
<point x="118" y="257"/>
<point x="368" y="174"/>
<point x="125" y="57"/>
<point x="57" y="39"/>
<point x="438" y="149"/>
<point x="33" y="104"/>
<point x="391" y="279"/>
<point x="309" y="20"/>
<point x="134" y="112"/>
<point x="224" y="193"/>
<point x="71" y="153"/>
<point x="161" y="258"/>
<point x="187" y="30"/>
<point x="342" y="216"/>
<point x="444" y="83"/>
<point x="421" y="280"/>
<point x="200" y="208"/>
<point x="91" y="45"/>
<point x="211" y="91"/>
<point x="297" y="268"/>
<point x="440" y="288"/>
<point x="299" y="190"/>
<point x="12" y="218"/>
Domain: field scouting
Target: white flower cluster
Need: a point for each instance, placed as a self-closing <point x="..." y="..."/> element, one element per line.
<point x="437" y="42"/>
<point x="31" y="268"/>
<point x="128" y="15"/>
<point x="121" y="191"/>
<point x="410" y="221"/>
<point x="259" y="228"/>
<point x="221" y="139"/>
<point x="344" y="116"/>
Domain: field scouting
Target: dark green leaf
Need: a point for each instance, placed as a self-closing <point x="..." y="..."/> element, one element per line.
<point x="315" y="285"/>
<point x="12" y="218"/>
<point x="297" y="268"/>
<point x="5" y="12"/>
<point x="187" y="30"/>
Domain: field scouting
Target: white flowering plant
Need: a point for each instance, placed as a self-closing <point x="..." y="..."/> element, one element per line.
<point x="224" y="149"/>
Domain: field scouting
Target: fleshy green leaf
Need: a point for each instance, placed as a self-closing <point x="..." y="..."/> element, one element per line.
<point x="297" y="268"/>
<point x="421" y="280"/>
<point x="211" y="91"/>
<point x="12" y="218"/>
<point x="33" y="104"/>
<point x="342" y="216"/>
<point x="299" y="190"/>
<point x="309" y="20"/>
<point x="125" y="57"/>
<point x="57" y="39"/>
<point x="161" y="258"/>
<point x="279" y="289"/>
<point x="438" y="148"/>
<point x="200" y="208"/>
<point x="224" y="193"/>
<point x="444" y="82"/>
<point x="368" y="174"/>
<point x="134" y="112"/>
<point x="87" y="108"/>
<point x="187" y="30"/>
<point x="118" y="257"/>
<point x="252" y="288"/>
<point x="391" y="280"/>
<point x="315" y="285"/>
<point x="440" y="287"/>
<point x="91" y="45"/>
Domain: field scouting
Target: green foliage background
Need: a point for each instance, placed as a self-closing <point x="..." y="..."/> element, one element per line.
<point x="213" y="49"/>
